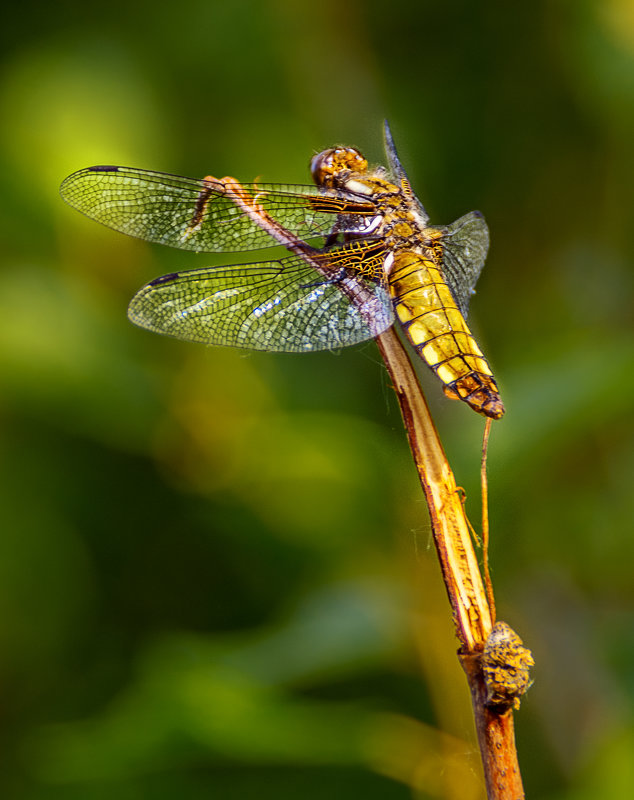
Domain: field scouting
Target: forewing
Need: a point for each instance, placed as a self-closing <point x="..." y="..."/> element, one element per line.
<point x="280" y="305"/>
<point x="465" y="247"/>
<point x="200" y="215"/>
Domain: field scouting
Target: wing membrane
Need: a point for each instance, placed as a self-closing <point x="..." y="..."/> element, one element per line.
<point x="199" y="215"/>
<point x="465" y="247"/>
<point x="283" y="305"/>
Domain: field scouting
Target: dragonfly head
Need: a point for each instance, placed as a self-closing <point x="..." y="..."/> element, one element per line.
<point x="332" y="168"/>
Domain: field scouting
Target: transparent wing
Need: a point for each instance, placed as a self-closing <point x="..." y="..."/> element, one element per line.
<point x="283" y="305"/>
<point x="465" y="247"/>
<point x="200" y="215"/>
<point x="396" y="168"/>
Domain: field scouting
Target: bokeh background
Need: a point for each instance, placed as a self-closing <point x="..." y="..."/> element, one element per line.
<point x="216" y="574"/>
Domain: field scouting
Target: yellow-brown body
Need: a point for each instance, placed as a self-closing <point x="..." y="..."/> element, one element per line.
<point x="436" y="327"/>
<point x="414" y="270"/>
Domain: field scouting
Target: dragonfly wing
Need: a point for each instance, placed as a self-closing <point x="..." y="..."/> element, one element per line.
<point x="465" y="247"/>
<point x="396" y="167"/>
<point x="280" y="305"/>
<point x="200" y="215"/>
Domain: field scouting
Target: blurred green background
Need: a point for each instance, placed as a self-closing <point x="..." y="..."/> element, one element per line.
<point x="216" y="575"/>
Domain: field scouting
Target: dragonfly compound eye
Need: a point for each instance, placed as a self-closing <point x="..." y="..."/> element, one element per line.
<point x="330" y="167"/>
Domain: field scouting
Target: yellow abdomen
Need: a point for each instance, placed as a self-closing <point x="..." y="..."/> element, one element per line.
<point x="436" y="327"/>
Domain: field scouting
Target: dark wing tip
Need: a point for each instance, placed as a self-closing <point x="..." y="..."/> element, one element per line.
<point x="103" y="168"/>
<point x="70" y="179"/>
<point x="171" y="276"/>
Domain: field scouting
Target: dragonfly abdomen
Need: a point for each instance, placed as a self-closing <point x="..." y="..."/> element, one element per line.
<point x="437" y="329"/>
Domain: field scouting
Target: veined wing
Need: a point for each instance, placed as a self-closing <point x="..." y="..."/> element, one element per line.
<point x="283" y="305"/>
<point x="465" y="246"/>
<point x="201" y="215"/>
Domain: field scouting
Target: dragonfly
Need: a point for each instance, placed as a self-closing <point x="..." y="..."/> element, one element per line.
<point x="362" y="255"/>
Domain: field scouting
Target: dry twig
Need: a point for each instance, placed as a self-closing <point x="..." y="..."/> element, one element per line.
<point x="467" y="596"/>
